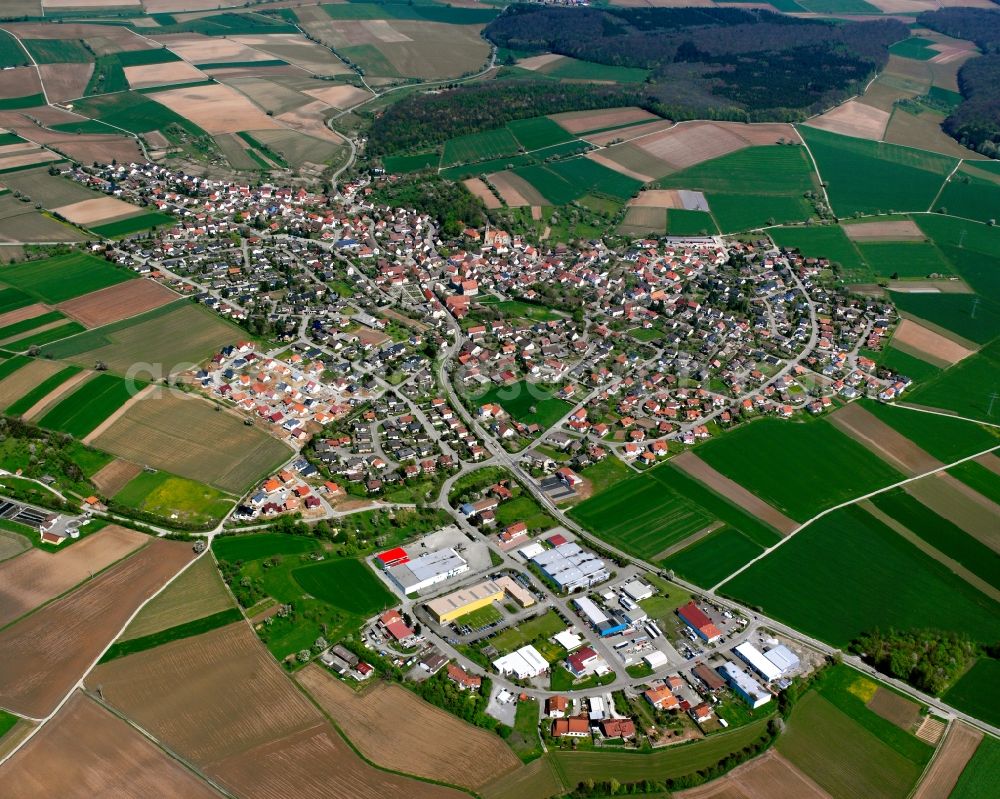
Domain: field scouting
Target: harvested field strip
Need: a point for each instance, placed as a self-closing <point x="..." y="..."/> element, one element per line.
<point x="962" y="506"/>
<point x="41" y="391"/>
<point x="197" y="593"/>
<point x="103" y="743"/>
<point x="113" y="477"/>
<point x="118" y="302"/>
<point x="85" y="409"/>
<point x="37" y="577"/>
<point x="878" y="437"/>
<point x="25" y="379"/>
<point x="188" y="629"/>
<point x="12" y="364"/>
<point x="396" y="729"/>
<point x="945" y="438"/>
<point x="43" y="655"/>
<point x="953" y="756"/>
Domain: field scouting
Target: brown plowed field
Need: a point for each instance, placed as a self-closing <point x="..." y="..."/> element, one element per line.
<point x="115" y="476"/>
<point x="315" y="763"/>
<point x="482" y="191"/>
<point x="65" y="81"/>
<point x="99" y="209"/>
<point x="20" y="314"/>
<point x="899" y="230"/>
<point x="515" y="190"/>
<point x="691" y="464"/>
<point x="20" y="82"/>
<point x="44" y="654"/>
<point x="960" y="505"/>
<point x="769" y="776"/>
<point x="216" y="108"/>
<point x="146" y="75"/>
<point x="895" y="708"/>
<point x="657" y="198"/>
<point x="308" y="119"/>
<point x="688" y="144"/>
<point x="626" y="134"/>
<point x="118" y="302"/>
<point x="956" y="751"/>
<point x="853" y="118"/>
<point x="582" y="121"/>
<point x="396" y="729"/>
<point x="604" y="161"/>
<point x="98" y="147"/>
<point x="924" y="340"/>
<point x="22" y="381"/>
<point x="876" y="436"/>
<point x="87" y="752"/>
<point x="761" y="133"/>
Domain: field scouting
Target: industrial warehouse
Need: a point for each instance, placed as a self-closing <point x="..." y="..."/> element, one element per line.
<point x="465" y="600"/>
<point x="571" y="567"/>
<point x="418" y="574"/>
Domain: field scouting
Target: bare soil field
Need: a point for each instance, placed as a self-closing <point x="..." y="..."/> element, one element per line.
<point x="769" y="776"/>
<point x="271" y="96"/>
<point x="98" y="147"/>
<point x="167" y="6"/>
<point x="308" y="119"/>
<point x="19" y="82"/>
<point x="86" y="751"/>
<point x="631" y="156"/>
<point x="516" y="191"/>
<point x="208" y="697"/>
<point x="195" y="47"/>
<point x="925" y="342"/>
<point x="396" y="729"/>
<point x="643" y="219"/>
<point x="118" y="302"/>
<point x="895" y="708"/>
<point x="103" y="39"/>
<point x="146" y="75"/>
<point x="583" y="121"/>
<point x="605" y="161"/>
<point x="27" y="157"/>
<point x="197" y="593"/>
<point x="898" y="230"/>
<point x="539" y="61"/>
<point x="215" y="109"/>
<point x="115" y="476"/>
<point x="694" y="466"/>
<point x="956" y="751"/>
<point x="482" y="191"/>
<point x="943" y="286"/>
<point x="686" y="144"/>
<point x="89" y="3"/>
<point x="343" y="96"/>
<point x="930" y="730"/>
<point x="761" y="133"/>
<point x="627" y="134"/>
<point x="315" y="763"/>
<point x="43" y="655"/>
<point x="924" y="132"/>
<point x="24" y="225"/>
<point x="99" y="209"/>
<point x="876" y="436"/>
<point x="990" y="461"/>
<point x="50" y="399"/>
<point x="292" y="48"/>
<point x="853" y="118"/>
<point x="20" y="314"/>
<point x="65" y="81"/>
<point x="657" y="198"/>
<point x="187" y="437"/>
<point x="24" y="379"/>
<point x="960" y="505"/>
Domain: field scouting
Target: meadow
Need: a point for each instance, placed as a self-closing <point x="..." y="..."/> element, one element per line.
<point x="915" y="47"/>
<point x="483" y="146"/>
<point x="711" y="559"/>
<point x="800" y="468"/>
<point x="133" y="224"/>
<point x="538" y="132"/>
<point x="762" y="170"/>
<point x="904" y="259"/>
<point x="825" y="241"/>
<point x="346" y="584"/>
<point x="896" y="178"/>
<point x="404" y="164"/>
<point x="519" y="399"/>
<point x="905" y="364"/>
<point x="11" y="299"/>
<point x="966" y="387"/>
<point x="681" y="222"/>
<point x="976" y="693"/>
<point x="86" y="408"/>
<point x="945" y="438"/>
<point x="575" y="69"/>
<point x="979" y="478"/>
<point x="971" y="197"/>
<point x="235" y="548"/>
<point x="561" y="182"/>
<point x="63" y="277"/>
<point x="168" y="496"/>
<point x="832" y="579"/>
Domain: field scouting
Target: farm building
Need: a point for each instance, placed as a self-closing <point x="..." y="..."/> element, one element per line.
<point x="522" y="596"/>
<point x="751" y="691"/>
<point x="571" y="567"/>
<point x="695" y="618"/>
<point x="759" y="664"/>
<point x="597" y="618"/>
<point x="784" y="658"/>
<point x="428" y="569"/>
<point x="523" y="663"/>
<point x="465" y="600"/>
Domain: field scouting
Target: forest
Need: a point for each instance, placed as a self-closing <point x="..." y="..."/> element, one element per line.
<point x="449" y="203"/>
<point x="975" y="123"/>
<point x="768" y="65"/>
<point x="927" y="659"/>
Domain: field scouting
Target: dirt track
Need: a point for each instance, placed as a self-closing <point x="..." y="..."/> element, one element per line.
<point x="951" y="759"/>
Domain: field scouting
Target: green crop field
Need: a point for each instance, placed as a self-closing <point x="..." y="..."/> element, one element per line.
<point x="133" y="224"/>
<point x="11" y="53"/>
<point x="234" y="548"/>
<point x="738" y="212"/>
<point x="896" y="178"/>
<point x="904" y="364"/>
<point x="944" y="438"/>
<point x="966" y="387"/>
<point x="915" y="47"/>
<point x="800" y="468"/>
<point x="518" y="400"/>
<point x="134" y="112"/>
<point x="135" y="58"/>
<point x="825" y="241"/>
<point x="554" y="188"/>
<point x="976" y="693"/>
<point x="980" y="270"/>
<point x="429" y="12"/>
<point x="58" y="51"/>
<point x="971" y="197"/>
<point x="188" y="629"/>
<point x="978" y="778"/>
<point x="538" y="132"/>
<point x="681" y="222"/>
<point x="346" y="584"/>
<point x="11" y="365"/>
<point x="7" y="722"/>
<point x="167" y="495"/>
<point x="953" y="312"/>
<point x="404" y="164"/>
<point x="941" y="534"/>
<point x="40" y="338"/>
<point x="479" y="147"/>
<point x="839" y="7"/>
<point x="589" y="177"/>
<point x="13" y="103"/>
<point x="16" y="329"/>
<point x="11" y="299"/>
<point x="770" y="170"/>
<point x="108" y="76"/>
<point x="93" y="402"/>
<point x="843" y="757"/>
<point x="41" y="391"/>
<point x="568" y="68"/>
<point x="979" y="478"/>
<point x="709" y="561"/>
<point x="64" y="277"/>
<point x="832" y="581"/>
<point x="904" y="259"/>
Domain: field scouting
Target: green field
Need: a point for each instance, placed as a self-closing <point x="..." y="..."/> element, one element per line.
<point x="93" y="402"/>
<point x="822" y="741"/>
<point x="544" y="626"/>
<point x="42" y="337"/>
<point x="832" y="579"/>
<point x="108" y="76"/>
<point x="979" y="478"/>
<point x="568" y="68"/>
<point x="58" y="51"/>
<point x="236" y="548"/>
<point x="524" y="310"/>
<point x="519" y="398"/>
<point x="904" y="259"/>
<point x="915" y="47"/>
<point x="713" y="558"/>
<point x="945" y="438"/>
<point x="11" y="299"/>
<point x="346" y="584"/>
<point x="976" y="692"/>
<point x="168" y="496"/>
<point x="941" y="534"/>
<point x="966" y="387"/>
<point x="524" y="509"/>
<point x="133" y="224"/>
<point x="134" y="112"/>
<point x="26" y="325"/>
<point x="187" y="630"/>
<point x="42" y="390"/>
<point x="681" y="222"/>
<point x="905" y="364"/>
<point x="11" y="365"/>
<point x="953" y="312"/>
<point x="479" y="147"/>
<point x="11" y="53"/>
<point x="800" y="468"/>
<point x="429" y="12"/>
<point x="970" y="196"/>
<point x="538" y="132"/>
<point x="13" y="103"/>
<point x="980" y="270"/>
<point x="64" y="277"/>
<point x="896" y="178"/>
<point x="404" y="164"/>
<point x="825" y="241"/>
<point x="979" y="776"/>
<point x="738" y="212"/>
<point x="562" y="182"/>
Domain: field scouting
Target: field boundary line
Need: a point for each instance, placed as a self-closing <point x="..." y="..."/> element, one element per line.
<point x="819" y="175"/>
<point x="933" y="759"/>
<point x="948" y="415"/>
<point x="945" y="182"/>
<point x="34" y="63"/>
<point x="846" y="504"/>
